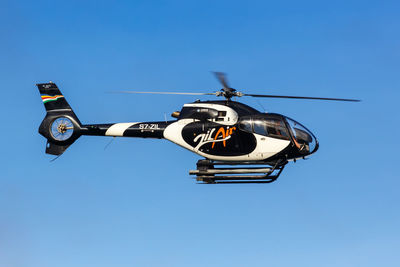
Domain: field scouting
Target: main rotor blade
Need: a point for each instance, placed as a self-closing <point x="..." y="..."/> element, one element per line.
<point x="222" y="79"/>
<point x="161" y="93"/>
<point x="304" y="97"/>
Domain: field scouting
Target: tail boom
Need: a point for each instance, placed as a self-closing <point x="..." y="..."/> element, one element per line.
<point x="129" y="129"/>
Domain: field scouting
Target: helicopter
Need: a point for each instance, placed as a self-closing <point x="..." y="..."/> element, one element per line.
<point x="239" y="144"/>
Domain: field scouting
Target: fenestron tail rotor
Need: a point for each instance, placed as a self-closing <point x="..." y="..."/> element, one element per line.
<point x="229" y="92"/>
<point x="62" y="129"/>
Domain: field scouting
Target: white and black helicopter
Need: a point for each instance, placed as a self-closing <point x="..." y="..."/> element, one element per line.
<point x="239" y="144"/>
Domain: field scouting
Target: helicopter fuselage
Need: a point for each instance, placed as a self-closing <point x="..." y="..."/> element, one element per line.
<point x="223" y="131"/>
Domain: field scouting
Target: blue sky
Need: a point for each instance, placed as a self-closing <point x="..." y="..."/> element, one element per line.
<point x="134" y="203"/>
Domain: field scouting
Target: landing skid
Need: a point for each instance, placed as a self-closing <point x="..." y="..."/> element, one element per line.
<point x="207" y="173"/>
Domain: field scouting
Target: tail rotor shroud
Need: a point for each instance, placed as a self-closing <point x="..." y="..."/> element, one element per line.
<point x="61" y="127"/>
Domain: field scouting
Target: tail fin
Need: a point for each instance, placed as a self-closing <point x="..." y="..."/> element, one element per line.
<point x="61" y="127"/>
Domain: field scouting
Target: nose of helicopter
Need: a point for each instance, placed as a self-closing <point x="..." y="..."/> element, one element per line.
<point x="316" y="145"/>
<point x="303" y="138"/>
<point x="307" y="144"/>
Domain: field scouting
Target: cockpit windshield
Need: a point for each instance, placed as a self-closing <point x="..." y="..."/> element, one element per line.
<point x="303" y="138"/>
<point x="275" y="126"/>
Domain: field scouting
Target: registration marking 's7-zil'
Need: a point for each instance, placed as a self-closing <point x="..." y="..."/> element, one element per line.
<point x="145" y="126"/>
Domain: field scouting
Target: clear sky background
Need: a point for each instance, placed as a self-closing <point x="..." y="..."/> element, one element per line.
<point x="134" y="203"/>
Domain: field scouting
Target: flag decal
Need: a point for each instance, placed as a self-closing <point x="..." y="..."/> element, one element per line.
<point x="48" y="98"/>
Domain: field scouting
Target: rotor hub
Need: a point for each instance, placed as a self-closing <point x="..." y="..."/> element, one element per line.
<point x="62" y="128"/>
<point x="228" y="93"/>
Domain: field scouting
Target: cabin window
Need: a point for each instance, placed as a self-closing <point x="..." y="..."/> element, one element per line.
<point x="259" y="127"/>
<point x="245" y="125"/>
<point x="275" y="128"/>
